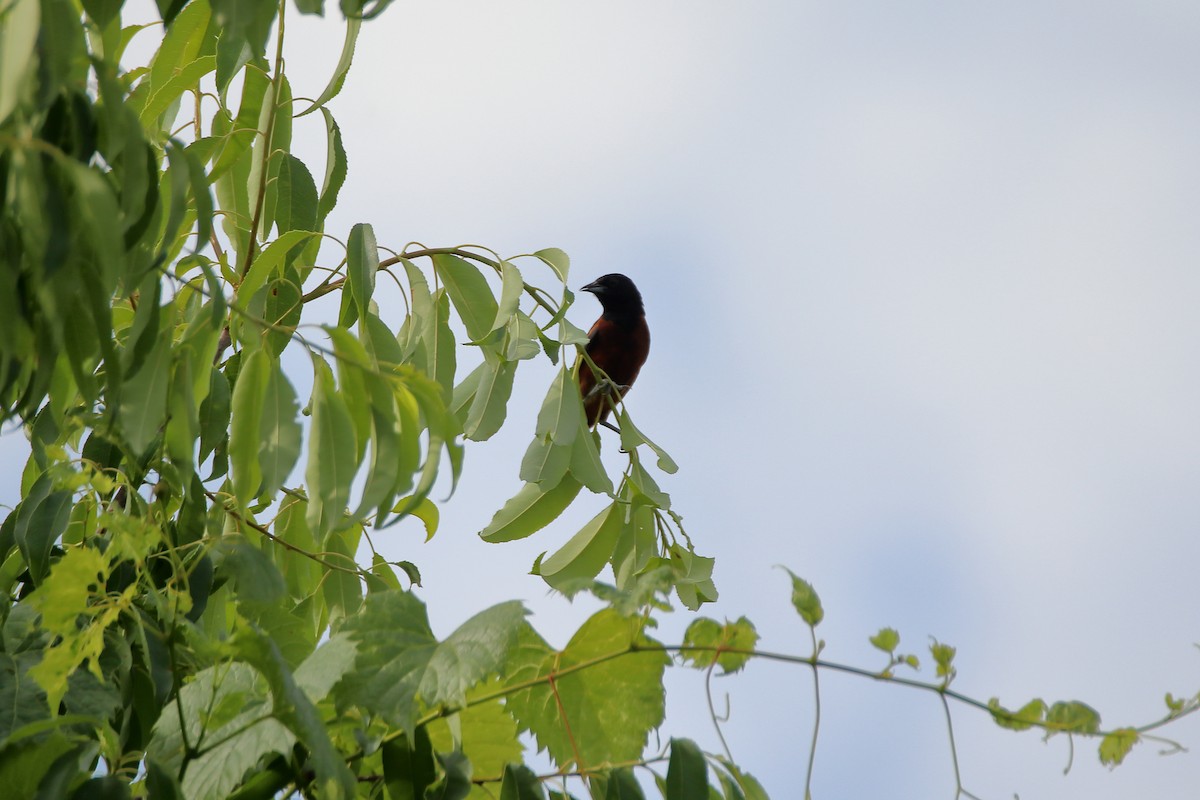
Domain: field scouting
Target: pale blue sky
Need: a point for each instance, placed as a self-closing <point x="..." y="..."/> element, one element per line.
<point x="922" y="282"/>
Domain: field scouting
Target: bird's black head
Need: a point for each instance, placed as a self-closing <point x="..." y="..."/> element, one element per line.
<point x="620" y="298"/>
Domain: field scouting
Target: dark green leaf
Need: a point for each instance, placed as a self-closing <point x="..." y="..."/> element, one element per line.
<point x="362" y="263"/>
<point x="296" y="206"/>
<point x="687" y="772"/>
<point x="521" y="783"/>
<point x="408" y="769"/>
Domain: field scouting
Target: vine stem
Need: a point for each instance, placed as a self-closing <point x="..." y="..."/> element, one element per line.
<point x="812" y="749"/>
<point x="712" y="711"/>
<point x="958" y="784"/>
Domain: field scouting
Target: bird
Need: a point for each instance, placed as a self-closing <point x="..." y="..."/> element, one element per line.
<point x="618" y="343"/>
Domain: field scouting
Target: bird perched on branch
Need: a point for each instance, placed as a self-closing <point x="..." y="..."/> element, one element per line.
<point x="618" y="344"/>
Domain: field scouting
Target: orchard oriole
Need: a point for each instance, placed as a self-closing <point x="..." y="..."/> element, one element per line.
<point x="618" y="344"/>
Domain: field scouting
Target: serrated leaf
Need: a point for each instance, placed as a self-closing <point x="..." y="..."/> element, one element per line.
<point x="296" y="192"/>
<point x="335" y="167"/>
<point x="484" y="731"/>
<point x="331" y="90"/>
<point x="401" y="663"/>
<point x="714" y="637"/>
<point x="229" y="705"/>
<point x="610" y="707"/>
<point x="1116" y="745"/>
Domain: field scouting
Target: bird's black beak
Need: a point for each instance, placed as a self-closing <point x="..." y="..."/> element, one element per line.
<point x="594" y="287"/>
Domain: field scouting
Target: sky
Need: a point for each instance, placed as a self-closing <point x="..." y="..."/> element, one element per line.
<point x="921" y="280"/>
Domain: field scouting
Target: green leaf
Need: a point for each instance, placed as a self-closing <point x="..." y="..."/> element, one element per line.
<point x="521" y="783"/>
<point x="41" y="518"/>
<point x="484" y="731"/>
<point x="631" y="438"/>
<point x="586" y="465"/>
<point x="322" y="669"/>
<point x="248" y="22"/>
<point x="750" y="787"/>
<point x="687" y="772"/>
<point x="1072" y="717"/>
<point x="230" y="706"/>
<point x="269" y="262"/>
<point x="162" y="97"/>
<point x="1116" y="745"/>
<point x="943" y="656"/>
<point x="586" y="553"/>
<point x="561" y="416"/>
<point x="281" y="309"/>
<point x="255" y="577"/>
<point x="335" y="167"/>
<point x="545" y="461"/>
<point x="557" y="260"/>
<point x="292" y="707"/>
<point x="622" y="784"/>
<point x="18" y="37"/>
<point x="331" y="90"/>
<point x="296" y="207"/>
<point x="611" y="707"/>
<point x="532" y="508"/>
<point x="280" y="433"/>
<point x="512" y="285"/>
<point x="886" y="640"/>
<point x="805" y="600"/>
<point x="181" y="45"/>
<point x="409" y="767"/>
<point x="1029" y="714"/>
<point x="362" y="263"/>
<point x="456" y="780"/>
<point x="714" y="637"/>
<point x="246" y="425"/>
<point x="331" y="453"/>
<point x="424" y="510"/>
<point x="490" y="404"/>
<point x="401" y="663"/>
<point x="143" y="408"/>
<point x="470" y="293"/>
